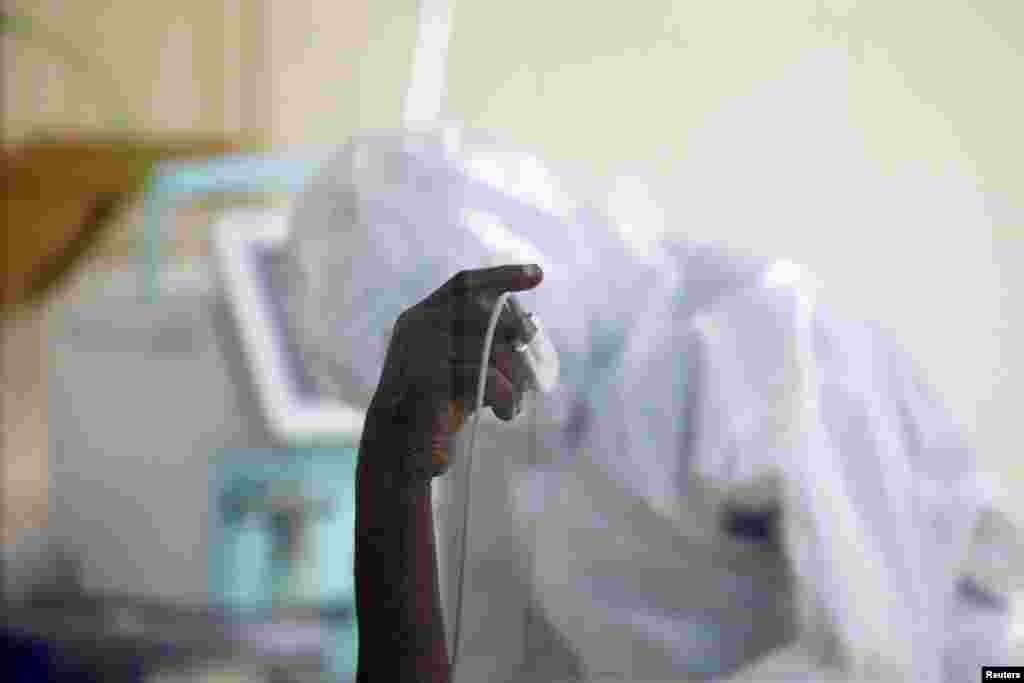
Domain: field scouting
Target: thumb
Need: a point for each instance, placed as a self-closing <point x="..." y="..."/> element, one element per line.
<point x="449" y="418"/>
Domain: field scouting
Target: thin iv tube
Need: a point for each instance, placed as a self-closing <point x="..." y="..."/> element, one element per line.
<point x="480" y="386"/>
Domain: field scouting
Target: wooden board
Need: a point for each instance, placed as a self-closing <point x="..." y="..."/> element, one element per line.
<point x="58" y="195"/>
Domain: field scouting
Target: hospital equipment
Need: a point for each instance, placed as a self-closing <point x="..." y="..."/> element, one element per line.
<point x="140" y="475"/>
<point x="536" y="349"/>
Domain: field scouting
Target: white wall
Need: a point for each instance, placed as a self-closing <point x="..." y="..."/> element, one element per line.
<point x="333" y="67"/>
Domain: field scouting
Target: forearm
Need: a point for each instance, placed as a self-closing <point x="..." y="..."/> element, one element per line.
<point x="428" y="377"/>
<point x="401" y="630"/>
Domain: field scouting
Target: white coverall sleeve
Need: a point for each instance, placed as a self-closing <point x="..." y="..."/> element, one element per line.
<point x="879" y="495"/>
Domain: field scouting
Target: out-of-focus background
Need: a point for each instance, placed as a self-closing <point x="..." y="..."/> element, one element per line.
<point x="879" y="143"/>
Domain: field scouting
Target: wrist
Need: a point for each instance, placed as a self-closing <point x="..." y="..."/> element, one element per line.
<point x="397" y="436"/>
<point x="401" y="627"/>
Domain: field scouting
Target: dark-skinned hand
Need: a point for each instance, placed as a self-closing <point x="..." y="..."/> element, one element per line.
<point x="429" y="380"/>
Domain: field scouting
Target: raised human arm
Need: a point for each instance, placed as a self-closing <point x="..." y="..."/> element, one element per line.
<point x="429" y="374"/>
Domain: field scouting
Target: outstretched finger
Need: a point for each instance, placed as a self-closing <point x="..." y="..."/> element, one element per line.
<point x="511" y="278"/>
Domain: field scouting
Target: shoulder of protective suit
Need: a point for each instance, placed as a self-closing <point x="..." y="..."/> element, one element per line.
<point x="715" y="277"/>
<point x="750" y="338"/>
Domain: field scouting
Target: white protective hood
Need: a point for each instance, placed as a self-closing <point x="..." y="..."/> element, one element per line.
<point x="698" y="386"/>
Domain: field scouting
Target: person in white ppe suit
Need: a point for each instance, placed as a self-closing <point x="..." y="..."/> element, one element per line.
<point x="739" y="483"/>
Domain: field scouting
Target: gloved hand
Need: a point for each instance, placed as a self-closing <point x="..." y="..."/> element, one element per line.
<point x="429" y="381"/>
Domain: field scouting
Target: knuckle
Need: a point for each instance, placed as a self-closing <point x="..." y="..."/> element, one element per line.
<point x="461" y="281"/>
<point x="402" y="322"/>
